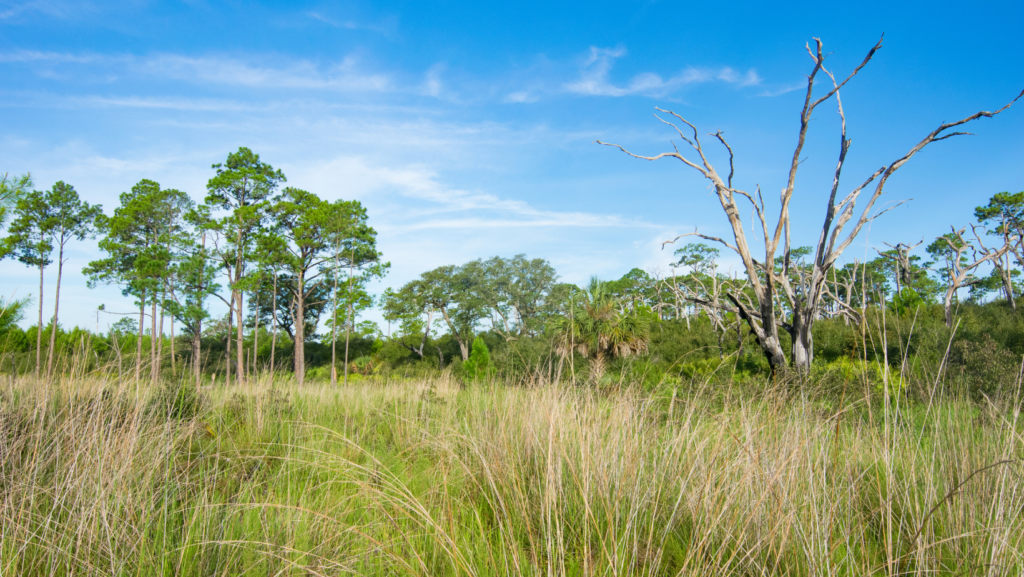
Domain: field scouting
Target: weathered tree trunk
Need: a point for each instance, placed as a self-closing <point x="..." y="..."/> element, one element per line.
<point x="948" y="306"/>
<point x="770" y="343"/>
<point x="802" y="341"/>
<point x="1004" y="273"/>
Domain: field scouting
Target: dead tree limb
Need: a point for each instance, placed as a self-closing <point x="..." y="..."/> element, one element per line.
<point x="767" y="284"/>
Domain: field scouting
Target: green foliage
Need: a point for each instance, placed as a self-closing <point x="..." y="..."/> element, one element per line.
<point x="479" y="366"/>
<point x="12" y="189"/>
<point x="983" y="368"/>
<point x="906" y="302"/>
<point x="12" y="311"/>
<point x="597" y="329"/>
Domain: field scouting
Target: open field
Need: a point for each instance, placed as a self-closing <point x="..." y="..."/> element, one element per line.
<point x="432" y="478"/>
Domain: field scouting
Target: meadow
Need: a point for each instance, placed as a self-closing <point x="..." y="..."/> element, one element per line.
<point x="433" y="476"/>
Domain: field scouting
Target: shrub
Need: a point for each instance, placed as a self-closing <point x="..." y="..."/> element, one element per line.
<point x="479" y="364"/>
<point x="983" y="368"/>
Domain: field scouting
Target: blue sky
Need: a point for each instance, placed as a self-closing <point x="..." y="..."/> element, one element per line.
<point x="467" y="128"/>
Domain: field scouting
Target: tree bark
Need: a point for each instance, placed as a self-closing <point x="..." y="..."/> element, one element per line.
<point x="350" y="321"/>
<point x="154" y="371"/>
<point x="273" y="332"/>
<point x="39" y="332"/>
<point x="138" y="342"/>
<point x="56" y="308"/>
<point x="948" y="306"/>
<point x="334" y="328"/>
<point x="227" y="350"/>
<point x="241" y="339"/>
<point x="197" y="346"/>
<point x="802" y="341"/>
<point x="256" y="338"/>
<point x="348" y="334"/>
<point x="160" y="338"/>
<point x="172" y="343"/>
<point x="300" y="329"/>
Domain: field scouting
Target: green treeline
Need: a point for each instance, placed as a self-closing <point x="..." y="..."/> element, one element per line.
<point x="292" y="270"/>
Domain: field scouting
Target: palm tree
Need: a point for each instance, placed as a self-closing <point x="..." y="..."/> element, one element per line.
<point x="598" y="330"/>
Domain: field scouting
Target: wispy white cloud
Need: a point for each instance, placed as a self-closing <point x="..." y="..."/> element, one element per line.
<point x="432" y="84"/>
<point x="190" y="104"/>
<point x="521" y="96"/>
<point x="427" y="196"/>
<point x="299" y="74"/>
<point x="779" y="91"/>
<point x="594" y="77"/>
<point x="33" y="56"/>
<point x="386" y="26"/>
<point x="52" y="8"/>
<point x="346" y="75"/>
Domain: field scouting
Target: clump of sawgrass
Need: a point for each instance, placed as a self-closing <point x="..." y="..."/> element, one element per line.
<point x="435" y="478"/>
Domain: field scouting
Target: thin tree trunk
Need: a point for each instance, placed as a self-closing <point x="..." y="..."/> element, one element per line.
<point x="56" y="308"/>
<point x="160" y="342"/>
<point x="197" y="346"/>
<point x="227" y="351"/>
<point x="1003" y="268"/>
<point x="334" y="329"/>
<point x="350" y="320"/>
<point x="153" y="361"/>
<point x="39" y="332"/>
<point x="300" y="330"/>
<point x="348" y="331"/>
<point x="138" y="343"/>
<point x="117" y="347"/>
<point x="172" y="345"/>
<point x="273" y="332"/>
<point x="256" y="337"/>
<point x="241" y="340"/>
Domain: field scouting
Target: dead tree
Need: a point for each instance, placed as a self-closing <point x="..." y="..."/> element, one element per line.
<point x="960" y="269"/>
<point x="841" y="293"/>
<point x="1002" y="263"/>
<point x="765" y="281"/>
<point x="705" y="292"/>
<point x="902" y="261"/>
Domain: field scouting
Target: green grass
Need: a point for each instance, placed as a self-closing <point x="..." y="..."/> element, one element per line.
<point x="430" y="478"/>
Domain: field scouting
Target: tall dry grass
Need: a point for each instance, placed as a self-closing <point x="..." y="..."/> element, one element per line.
<point x="429" y="478"/>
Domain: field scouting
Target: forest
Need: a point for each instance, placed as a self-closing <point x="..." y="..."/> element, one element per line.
<point x="792" y="411"/>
